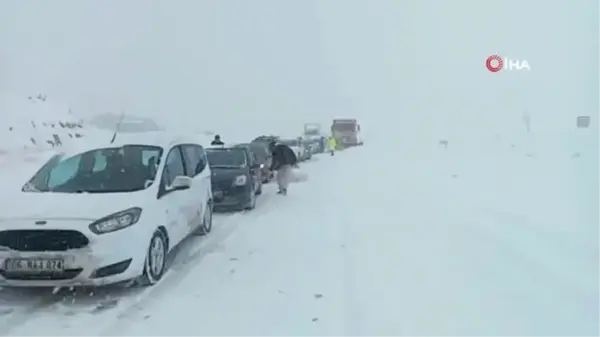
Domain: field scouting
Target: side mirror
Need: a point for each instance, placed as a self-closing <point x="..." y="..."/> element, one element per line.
<point x="181" y="183"/>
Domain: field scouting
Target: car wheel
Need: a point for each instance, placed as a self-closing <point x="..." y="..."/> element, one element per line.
<point x="207" y="220"/>
<point x="252" y="202"/>
<point x="156" y="260"/>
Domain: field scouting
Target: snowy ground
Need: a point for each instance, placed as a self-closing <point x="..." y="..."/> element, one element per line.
<point x="375" y="243"/>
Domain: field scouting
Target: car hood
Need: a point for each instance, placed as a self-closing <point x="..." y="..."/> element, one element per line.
<point x="227" y="173"/>
<point x="47" y="205"/>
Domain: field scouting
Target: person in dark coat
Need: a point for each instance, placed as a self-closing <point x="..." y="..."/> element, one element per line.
<point x="283" y="160"/>
<point x="217" y="141"/>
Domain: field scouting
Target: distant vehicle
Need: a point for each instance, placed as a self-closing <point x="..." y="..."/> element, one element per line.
<point x="265" y="139"/>
<point x="312" y="129"/>
<point x="312" y="134"/>
<point x="346" y="132"/>
<point x="106" y="214"/>
<point x="302" y="152"/>
<point x="262" y="156"/>
<point x="236" y="178"/>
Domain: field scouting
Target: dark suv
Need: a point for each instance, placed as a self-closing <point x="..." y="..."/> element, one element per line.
<point x="262" y="156"/>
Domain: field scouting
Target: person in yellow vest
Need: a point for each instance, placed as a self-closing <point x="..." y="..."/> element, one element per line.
<point x="331" y="144"/>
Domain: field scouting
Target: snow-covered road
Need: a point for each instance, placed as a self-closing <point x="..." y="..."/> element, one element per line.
<point x="372" y="244"/>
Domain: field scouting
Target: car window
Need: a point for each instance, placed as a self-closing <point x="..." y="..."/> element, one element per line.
<point x="192" y="158"/>
<point x="148" y="156"/>
<point x="260" y="152"/>
<point x="173" y="166"/>
<point x="101" y="170"/>
<point x="195" y="159"/>
<point x="250" y="156"/>
<point x="202" y="162"/>
<point x="64" y="172"/>
<point x="227" y="157"/>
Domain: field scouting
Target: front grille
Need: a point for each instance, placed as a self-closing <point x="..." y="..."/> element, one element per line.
<point x="42" y="240"/>
<point x="222" y="185"/>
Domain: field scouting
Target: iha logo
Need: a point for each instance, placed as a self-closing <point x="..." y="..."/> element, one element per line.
<point x="496" y="63"/>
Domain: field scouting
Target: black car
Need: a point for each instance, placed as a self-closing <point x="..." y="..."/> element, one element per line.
<point x="265" y="139"/>
<point x="262" y="156"/>
<point x="236" y="178"/>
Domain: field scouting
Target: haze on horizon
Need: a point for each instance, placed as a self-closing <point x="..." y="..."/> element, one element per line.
<point x="410" y="65"/>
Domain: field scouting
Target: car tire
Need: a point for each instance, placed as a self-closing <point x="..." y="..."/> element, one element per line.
<point x="207" y="220"/>
<point x="156" y="260"/>
<point x="252" y="202"/>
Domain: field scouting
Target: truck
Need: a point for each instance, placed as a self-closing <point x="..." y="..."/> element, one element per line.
<point x="347" y="132"/>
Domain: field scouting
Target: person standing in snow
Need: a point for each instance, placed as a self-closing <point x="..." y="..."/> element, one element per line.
<point x="283" y="160"/>
<point x="331" y="144"/>
<point x="217" y="141"/>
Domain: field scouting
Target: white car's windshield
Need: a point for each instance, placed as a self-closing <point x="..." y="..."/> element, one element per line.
<point x="106" y="170"/>
<point x="228" y="157"/>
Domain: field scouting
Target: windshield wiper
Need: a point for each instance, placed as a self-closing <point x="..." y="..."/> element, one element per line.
<point x="227" y="166"/>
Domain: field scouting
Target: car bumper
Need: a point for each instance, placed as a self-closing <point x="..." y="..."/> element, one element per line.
<point x="234" y="198"/>
<point x="107" y="259"/>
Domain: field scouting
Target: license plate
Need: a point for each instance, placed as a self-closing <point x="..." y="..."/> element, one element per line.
<point x="34" y="265"/>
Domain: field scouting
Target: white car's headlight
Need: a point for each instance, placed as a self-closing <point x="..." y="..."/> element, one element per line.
<point x="240" y="181"/>
<point x="116" y="221"/>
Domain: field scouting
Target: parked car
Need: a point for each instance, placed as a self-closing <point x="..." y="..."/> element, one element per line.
<point x="302" y="153"/>
<point x="265" y="139"/>
<point x="106" y="214"/>
<point x="313" y="145"/>
<point x="236" y="178"/>
<point x="262" y="156"/>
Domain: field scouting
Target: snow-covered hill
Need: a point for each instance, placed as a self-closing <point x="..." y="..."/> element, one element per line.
<point x="37" y="123"/>
<point x="124" y="123"/>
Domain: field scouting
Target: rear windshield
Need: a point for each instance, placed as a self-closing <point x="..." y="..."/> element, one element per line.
<point x="260" y="151"/>
<point x="230" y="157"/>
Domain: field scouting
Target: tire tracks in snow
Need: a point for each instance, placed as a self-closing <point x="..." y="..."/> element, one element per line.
<point x="181" y="269"/>
<point x="11" y="317"/>
<point x="531" y="263"/>
<point x="538" y="251"/>
<point x="15" y="318"/>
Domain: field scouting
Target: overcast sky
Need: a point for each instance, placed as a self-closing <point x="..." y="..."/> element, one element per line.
<point x="411" y="64"/>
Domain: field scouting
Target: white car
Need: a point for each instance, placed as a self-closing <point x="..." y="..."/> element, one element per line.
<point x="106" y="214"/>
